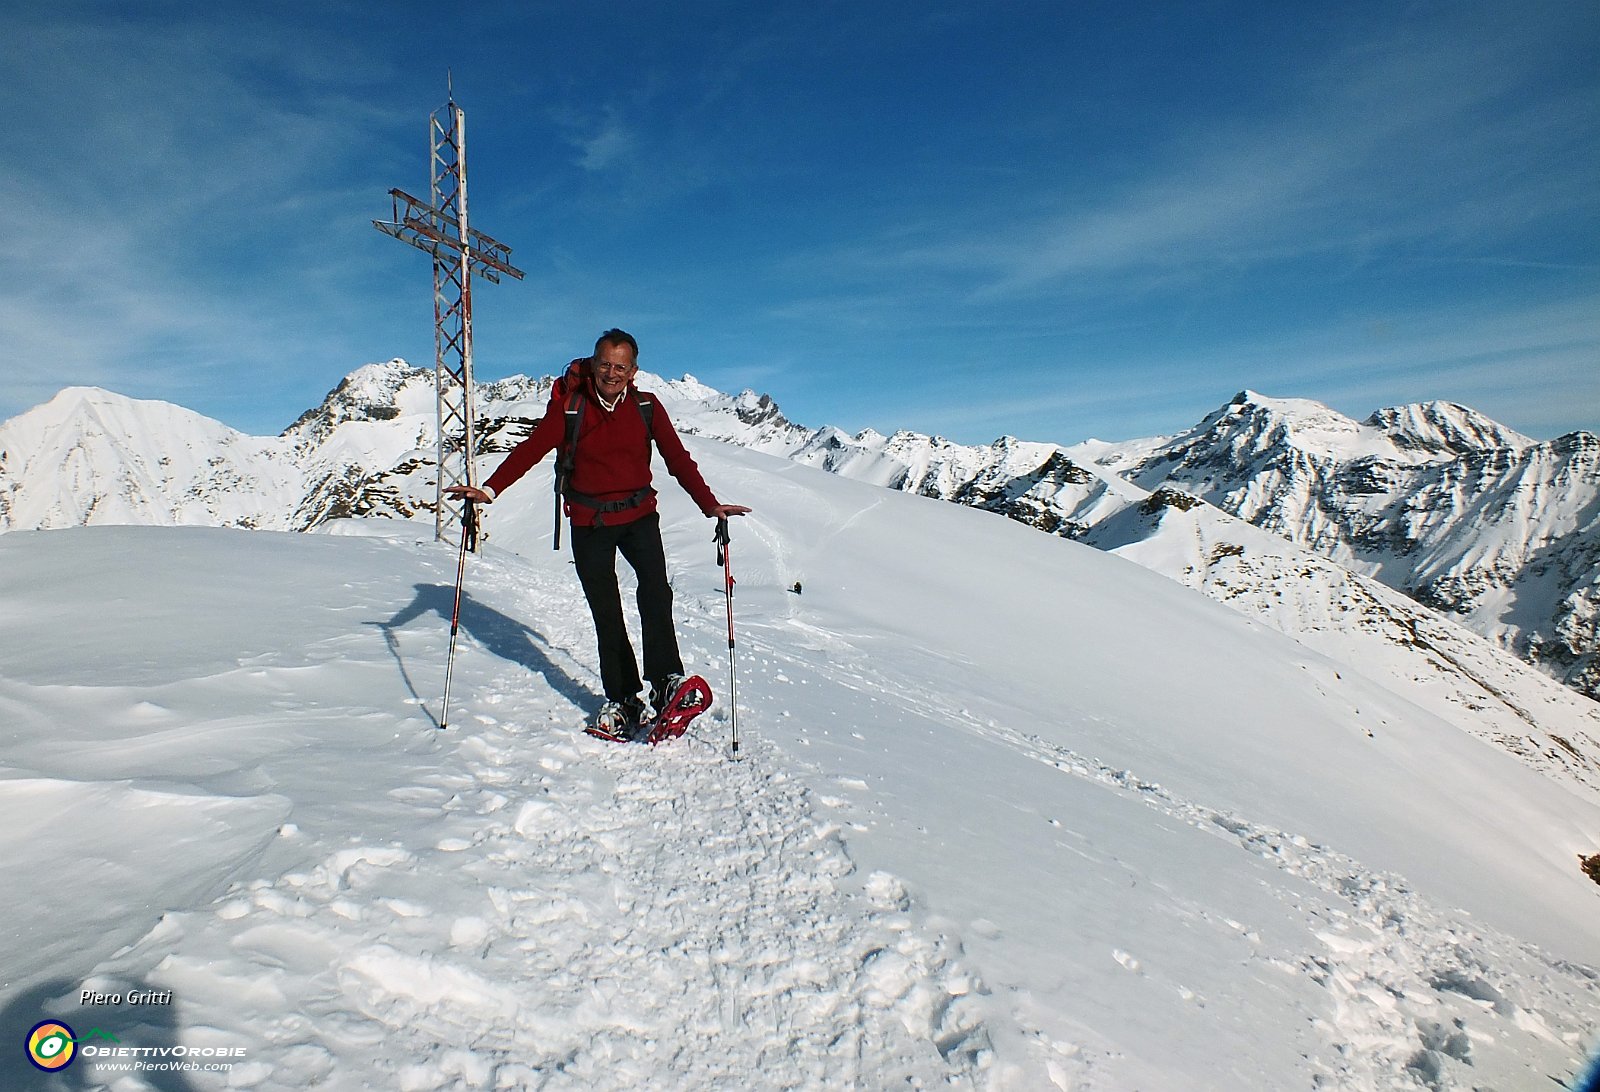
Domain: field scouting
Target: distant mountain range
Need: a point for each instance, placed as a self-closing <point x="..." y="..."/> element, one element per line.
<point x="1461" y="514"/>
<point x="1392" y="540"/>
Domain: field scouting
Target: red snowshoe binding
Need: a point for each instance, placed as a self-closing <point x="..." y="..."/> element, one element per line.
<point x="687" y="700"/>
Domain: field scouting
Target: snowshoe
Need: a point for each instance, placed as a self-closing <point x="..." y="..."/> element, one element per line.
<point x="686" y="698"/>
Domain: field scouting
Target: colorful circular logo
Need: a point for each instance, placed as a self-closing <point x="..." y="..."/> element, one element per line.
<point x="52" y="1045"/>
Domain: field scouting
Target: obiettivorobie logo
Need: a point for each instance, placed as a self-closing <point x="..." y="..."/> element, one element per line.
<point x="52" y="1044"/>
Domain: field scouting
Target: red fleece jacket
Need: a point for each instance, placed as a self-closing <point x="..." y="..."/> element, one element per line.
<point x="613" y="456"/>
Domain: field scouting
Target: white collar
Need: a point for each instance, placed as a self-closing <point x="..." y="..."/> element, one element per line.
<point x="609" y="406"/>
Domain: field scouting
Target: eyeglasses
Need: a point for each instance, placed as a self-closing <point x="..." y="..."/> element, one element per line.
<point x="613" y="368"/>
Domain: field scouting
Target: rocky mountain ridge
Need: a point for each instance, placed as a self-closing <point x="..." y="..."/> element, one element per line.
<point x="1463" y="515"/>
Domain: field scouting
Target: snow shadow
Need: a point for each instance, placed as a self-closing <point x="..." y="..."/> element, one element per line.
<point x="99" y="1026"/>
<point x="500" y="634"/>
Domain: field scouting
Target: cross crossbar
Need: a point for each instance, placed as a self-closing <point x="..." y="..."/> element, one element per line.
<point x="432" y="230"/>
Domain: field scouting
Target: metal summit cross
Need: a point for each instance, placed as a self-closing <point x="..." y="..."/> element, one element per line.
<point x="440" y="228"/>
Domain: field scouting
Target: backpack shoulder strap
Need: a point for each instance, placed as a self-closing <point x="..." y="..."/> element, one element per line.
<point x="647" y="410"/>
<point x="569" y="390"/>
<point x="567" y="456"/>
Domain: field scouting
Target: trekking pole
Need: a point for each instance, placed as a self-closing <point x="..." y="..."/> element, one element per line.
<point x="725" y="559"/>
<point x="469" y="541"/>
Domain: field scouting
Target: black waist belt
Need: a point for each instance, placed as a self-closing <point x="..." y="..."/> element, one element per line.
<point x="603" y="508"/>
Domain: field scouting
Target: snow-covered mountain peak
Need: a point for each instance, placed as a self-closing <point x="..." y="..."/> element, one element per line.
<point x="1253" y="422"/>
<point x="376" y="381"/>
<point x="68" y="400"/>
<point x="78" y="419"/>
<point x="1296" y="439"/>
<point x="1440" y="427"/>
<point x="756" y="409"/>
<point x="904" y="440"/>
<point x="373" y="392"/>
<point x="518" y="388"/>
<point x="686" y="388"/>
<point x="92" y="456"/>
<point x="73" y="406"/>
<point x="1461" y="513"/>
<point x="749" y="419"/>
<point x="1297" y="412"/>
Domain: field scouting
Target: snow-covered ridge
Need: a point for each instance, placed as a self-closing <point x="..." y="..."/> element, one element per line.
<point x="1434" y="500"/>
<point x="1419" y="654"/>
<point x="1444" y="427"/>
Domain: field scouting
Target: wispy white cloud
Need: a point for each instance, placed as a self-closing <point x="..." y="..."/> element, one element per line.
<point x="1535" y="368"/>
<point x="1386" y="142"/>
<point x="602" y="148"/>
<point x="179" y="228"/>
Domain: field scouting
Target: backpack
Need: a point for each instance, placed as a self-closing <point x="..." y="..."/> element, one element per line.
<point x="569" y="389"/>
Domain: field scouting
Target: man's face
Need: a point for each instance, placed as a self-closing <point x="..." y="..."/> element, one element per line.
<point x="614" y="366"/>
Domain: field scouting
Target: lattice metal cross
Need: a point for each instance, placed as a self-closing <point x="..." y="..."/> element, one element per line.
<point x="459" y="252"/>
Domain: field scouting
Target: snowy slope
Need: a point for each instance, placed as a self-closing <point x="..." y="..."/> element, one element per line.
<point x="1367" y="627"/>
<point x="1014" y="813"/>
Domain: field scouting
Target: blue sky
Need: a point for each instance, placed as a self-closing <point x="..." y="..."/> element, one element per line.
<point x="1053" y="220"/>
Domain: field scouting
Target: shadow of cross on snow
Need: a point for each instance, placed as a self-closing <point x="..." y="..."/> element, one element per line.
<point x="500" y="634"/>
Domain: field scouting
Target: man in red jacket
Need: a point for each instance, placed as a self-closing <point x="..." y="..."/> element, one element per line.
<point x="613" y="508"/>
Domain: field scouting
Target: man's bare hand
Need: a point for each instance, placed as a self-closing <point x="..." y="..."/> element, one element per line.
<point x="471" y="492"/>
<point x="723" y="511"/>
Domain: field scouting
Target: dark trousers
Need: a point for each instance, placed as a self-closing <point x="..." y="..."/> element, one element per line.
<point x="594" y="551"/>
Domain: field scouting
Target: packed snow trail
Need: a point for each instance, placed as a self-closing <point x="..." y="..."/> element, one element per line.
<point x="587" y="916"/>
